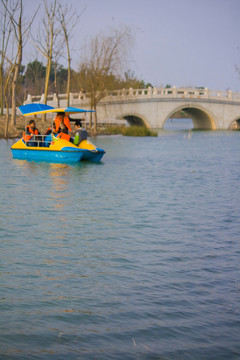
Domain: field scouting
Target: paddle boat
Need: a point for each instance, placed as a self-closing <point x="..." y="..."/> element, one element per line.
<point x="55" y="150"/>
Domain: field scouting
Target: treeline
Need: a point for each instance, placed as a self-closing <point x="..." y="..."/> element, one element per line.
<point x="32" y="77"/>
<point x="100" y="70"/>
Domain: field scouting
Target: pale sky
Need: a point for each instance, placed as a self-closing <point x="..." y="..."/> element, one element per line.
<point x="177" y="42"/>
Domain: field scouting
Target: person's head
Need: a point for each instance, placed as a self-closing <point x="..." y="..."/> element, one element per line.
<point x="78" y="124"/>
<point x="61" y="115"/>
<point x="32" y="124"/>
<point x="54" y="127"/>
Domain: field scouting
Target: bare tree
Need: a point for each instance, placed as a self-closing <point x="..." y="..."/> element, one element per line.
<point x="68" y="20"/>
<point x="6" y="70"/>
<point x="47" y="41"/>
<point x="105" y="57"/>
<point x="17" y="26"/>
<point x="6" y="90"/>
<point x="6" y="29"/>
<point x="15" y="17"/>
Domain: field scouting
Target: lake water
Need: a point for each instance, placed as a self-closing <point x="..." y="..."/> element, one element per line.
<point x="137" y="257"/>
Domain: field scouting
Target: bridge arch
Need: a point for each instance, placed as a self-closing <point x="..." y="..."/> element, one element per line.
<point x="200" y="117"/>
<point x="235" y="124"/>
<point x="136" y="120"/>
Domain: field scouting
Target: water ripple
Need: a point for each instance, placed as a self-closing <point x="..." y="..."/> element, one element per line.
<point x="137" y="257"/>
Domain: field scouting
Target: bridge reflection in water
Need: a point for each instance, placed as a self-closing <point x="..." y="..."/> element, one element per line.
<point x="178" y="124"/>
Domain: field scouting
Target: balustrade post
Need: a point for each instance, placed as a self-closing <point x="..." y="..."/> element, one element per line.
<point x="42" y="100"/>
<point x="155" y="91"/>
<point x="71" y="98"/>
<point x="229" y="95"/>
<point x="29" y="99"/>
<point x="130" y="91"/>
<point x="149" y="91"/>
<point x="55" y="100"/>
<point x="81" y="95"/>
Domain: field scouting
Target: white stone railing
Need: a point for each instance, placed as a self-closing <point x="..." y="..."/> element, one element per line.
<point x="129" y="94"/>
<point x="174" y="93"/>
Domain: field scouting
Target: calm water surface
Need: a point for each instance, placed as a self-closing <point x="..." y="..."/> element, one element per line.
<point x="133" y="258"/>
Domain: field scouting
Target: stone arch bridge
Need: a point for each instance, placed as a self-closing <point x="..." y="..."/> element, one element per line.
<point x="152" y="107"/>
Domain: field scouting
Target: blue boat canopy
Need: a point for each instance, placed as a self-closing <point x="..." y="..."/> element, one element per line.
<point x="31" y="109"/>
<point x="34" y="109"/>
<point x="71" y="110"/>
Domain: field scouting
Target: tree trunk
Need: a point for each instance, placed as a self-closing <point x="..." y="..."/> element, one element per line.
<point x="14" y="81"/>
<point x="2" y="89"/>
<point x="6" y="123"/>
<point x="91" y="117"/>
<point x="95" y="120"/>
<point x="17" y="67"/>
<point x="48" y="68"/>
<point x="68" y="84"/>
<point x="56" y="84"/>
<point x="69" y="73"/>
<point x="13" y="118"/>
<point x="90" y="120"/>
<point x="6" y="91"/>
<point x="7" y="116"/>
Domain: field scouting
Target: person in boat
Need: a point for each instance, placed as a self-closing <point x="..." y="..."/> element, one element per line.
<point x="51" y="129"/>
<point x="32" y="134"/>
<point x="62" y="120"/>
<point x="48" y="135"/>
<point x="81" y="133"/>
<point x="64" y="134"/>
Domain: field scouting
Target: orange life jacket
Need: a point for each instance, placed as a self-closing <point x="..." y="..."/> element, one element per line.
<point x="27" y="137"/>
<point x="64" y="136"/>
<point x="66" y="122"/>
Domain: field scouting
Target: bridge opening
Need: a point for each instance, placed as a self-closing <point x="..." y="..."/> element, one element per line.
<point x="235" y="125"/>
<point x="189" y="118"/>
<point x="178" y="123"/>
<point x="133" y="120"/>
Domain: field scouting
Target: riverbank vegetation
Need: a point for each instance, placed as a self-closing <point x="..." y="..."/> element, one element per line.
<point x="128" y="131"/>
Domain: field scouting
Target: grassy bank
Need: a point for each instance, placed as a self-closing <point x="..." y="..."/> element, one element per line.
<point x="129" y="131"/>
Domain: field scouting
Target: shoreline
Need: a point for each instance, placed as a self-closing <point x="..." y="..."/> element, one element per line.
<point x="16" y="131"/>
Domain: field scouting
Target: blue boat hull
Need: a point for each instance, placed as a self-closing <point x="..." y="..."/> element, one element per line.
<point x="48" y="155"/>
<point x="93" y="155"/>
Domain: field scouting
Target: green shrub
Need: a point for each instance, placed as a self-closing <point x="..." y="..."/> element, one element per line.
<point x="130" y="131"/>
<point x="113" y="130"/>
<point x="138" y="131"/>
